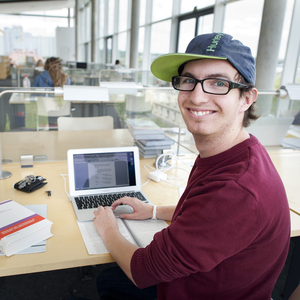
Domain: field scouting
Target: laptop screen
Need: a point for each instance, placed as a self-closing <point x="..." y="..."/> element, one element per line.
<point x="104" y="170"/>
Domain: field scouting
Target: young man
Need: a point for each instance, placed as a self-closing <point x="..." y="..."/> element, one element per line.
<point x="230" y="231"/>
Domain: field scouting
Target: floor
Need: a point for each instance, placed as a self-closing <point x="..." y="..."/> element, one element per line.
<point x="79" y="282"/>
<point x="52" y="285"/>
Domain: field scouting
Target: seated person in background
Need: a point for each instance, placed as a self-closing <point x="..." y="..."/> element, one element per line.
<point x="53" y="76"/>
<point x="39" y="68"/>
<point x="118" y="65"/>
<point x="230" y="231"/>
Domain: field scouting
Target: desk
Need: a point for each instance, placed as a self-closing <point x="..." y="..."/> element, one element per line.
<point x="287" y="163"/>
<point x="54" y="144"/>
<point x="21" y="98"/>
<point x="66" y="248"/>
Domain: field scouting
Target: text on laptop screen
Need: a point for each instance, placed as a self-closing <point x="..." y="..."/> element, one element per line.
<point x="104" y="170"/>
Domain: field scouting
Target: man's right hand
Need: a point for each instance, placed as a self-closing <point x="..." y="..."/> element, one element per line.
<point x="141" y="210"/>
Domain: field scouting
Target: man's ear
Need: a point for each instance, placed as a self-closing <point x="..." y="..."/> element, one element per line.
<point x="248" y="99"/>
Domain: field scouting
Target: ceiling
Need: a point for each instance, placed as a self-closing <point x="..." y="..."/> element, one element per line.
<point x="17" y="6"/>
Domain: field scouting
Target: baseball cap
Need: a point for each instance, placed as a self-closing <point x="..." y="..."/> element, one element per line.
<point x="214" y="46"/>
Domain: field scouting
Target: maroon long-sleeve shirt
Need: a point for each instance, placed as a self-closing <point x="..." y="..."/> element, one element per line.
<point x="229" y="235"/>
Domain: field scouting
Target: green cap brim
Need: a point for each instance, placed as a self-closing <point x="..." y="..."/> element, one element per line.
<point x="166" y="66"/>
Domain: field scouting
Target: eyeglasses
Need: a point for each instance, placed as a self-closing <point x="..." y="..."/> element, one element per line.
<point x="213" y="86"/>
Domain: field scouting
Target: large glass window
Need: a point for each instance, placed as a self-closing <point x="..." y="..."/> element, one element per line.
<point x="61" y="12"/>
<point x="205" y="24"/>
<point x="161" y="9"/>
<point x="160" y="38"/>
<point x="286" y="28"/>
<point x="109" y="44"/>
<point x="101" y="58"/>
<point x="22" y="32"/>
<point x="186" y="33"/>
<point x="189" y="6"/>
<point x="123" y="15"/>
<point x="122" y="47"/>
<point x="111" y="16"/>
<point x="141" y="47"/>
<point x="192" y="24"/>
<point x="101" y="14"/>
<point x="297" y="79"/>
<point x="243" y="20"/>
<point x="284" y="42"/>
<point x="88" y="22"/>
<point x="142" y="12"/>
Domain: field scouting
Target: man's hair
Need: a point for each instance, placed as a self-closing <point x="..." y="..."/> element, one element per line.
<point x="55" y="68"/>
<point x="250" y="114"/>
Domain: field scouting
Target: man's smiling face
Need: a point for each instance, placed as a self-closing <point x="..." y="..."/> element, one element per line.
<point x="207" y="114"/>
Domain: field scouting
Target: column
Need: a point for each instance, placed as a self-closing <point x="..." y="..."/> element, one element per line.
<point x="268" y="50"/>
<point x="134" y="36"/>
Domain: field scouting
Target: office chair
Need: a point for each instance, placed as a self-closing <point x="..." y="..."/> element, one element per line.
<point x="296" y="294"/>
<point x="85" y="123"/>
<point x="49" y="109"/>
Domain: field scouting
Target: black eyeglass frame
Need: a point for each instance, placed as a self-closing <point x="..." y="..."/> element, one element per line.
<point x="232" y="85"/>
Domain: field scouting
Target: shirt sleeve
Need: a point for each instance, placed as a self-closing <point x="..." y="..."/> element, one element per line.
<point x="215" y="221"/>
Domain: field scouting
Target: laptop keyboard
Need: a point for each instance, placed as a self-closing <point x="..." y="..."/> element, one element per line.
<point x="94" y="201"/>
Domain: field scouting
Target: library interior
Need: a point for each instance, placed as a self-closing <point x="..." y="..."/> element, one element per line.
<point x="76" y="75"/>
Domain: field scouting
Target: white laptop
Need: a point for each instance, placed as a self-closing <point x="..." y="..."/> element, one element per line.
<point x="108" y="173"/>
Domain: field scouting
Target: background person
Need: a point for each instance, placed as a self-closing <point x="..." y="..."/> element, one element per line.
<point x="53" y="76"/>
<point x="118" y="65"/>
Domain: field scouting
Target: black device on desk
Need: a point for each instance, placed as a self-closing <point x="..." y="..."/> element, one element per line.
<point x="81" y="65"/>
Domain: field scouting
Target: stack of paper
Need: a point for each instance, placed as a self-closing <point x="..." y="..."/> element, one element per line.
<point x="149" y="137"/>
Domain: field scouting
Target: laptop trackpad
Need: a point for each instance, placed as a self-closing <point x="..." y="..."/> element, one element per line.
<point x="123" y="209"/>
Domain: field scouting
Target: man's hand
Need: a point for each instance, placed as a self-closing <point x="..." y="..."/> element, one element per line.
<point x="120" y="249"/>
<point x="105" y="220"/>
<point x="141" y="210"/>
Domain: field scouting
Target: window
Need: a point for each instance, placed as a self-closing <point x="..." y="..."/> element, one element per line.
<point x="161" y="9"/>
<point x="101" y="51"/>
<point x="244" y="27"/>
<point x="22" y="32"/>
<point x="186" y="33"/>
<point x="123" y="15"/>
<point x="122" y="47"/>
<point x="142" y="12"/>
<point x="160" y="38"/>
<point x="101" y="18"/>
<point x="205" y="24"/>
<point x="111" y="16"/>
<point x="193" y="24"/>
<point x="188" y="6"/>
<point x="109" y="45"/>
<point x="141" y="47"/>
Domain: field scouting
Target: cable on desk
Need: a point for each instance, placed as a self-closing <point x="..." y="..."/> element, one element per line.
<point x="63" y="176"/>
<point x="162" y="164"/>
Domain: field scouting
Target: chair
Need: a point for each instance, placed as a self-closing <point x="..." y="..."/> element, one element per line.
<point x="296" y="294"/>
<point x="49" y="109"/>
<point x="85" y="123"/>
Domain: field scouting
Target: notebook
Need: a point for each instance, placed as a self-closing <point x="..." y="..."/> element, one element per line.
<point x="103" y="172"/>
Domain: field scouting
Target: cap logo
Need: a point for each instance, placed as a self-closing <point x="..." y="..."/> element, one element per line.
<point x="214" y="43"/>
